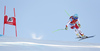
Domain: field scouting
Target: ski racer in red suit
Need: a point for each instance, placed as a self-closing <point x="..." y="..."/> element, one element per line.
<point x="74" y="23"/>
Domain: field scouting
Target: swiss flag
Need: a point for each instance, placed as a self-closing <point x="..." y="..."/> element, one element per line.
<point x="9" y="20"/>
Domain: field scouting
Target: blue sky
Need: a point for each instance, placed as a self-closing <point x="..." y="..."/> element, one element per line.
<point x="40" y="17"/>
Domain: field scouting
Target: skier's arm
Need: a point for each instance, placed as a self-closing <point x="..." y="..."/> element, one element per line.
<point x="79" y="23"/>
<point x="67" y="25"/>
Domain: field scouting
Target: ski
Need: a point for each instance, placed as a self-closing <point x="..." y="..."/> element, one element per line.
<point x="82" y="38"/>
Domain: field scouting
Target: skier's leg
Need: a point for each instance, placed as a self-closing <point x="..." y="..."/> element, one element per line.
<point x="72" y="26"/>
<point x="80" y="32"/>
<point x="78" y="29"/>
<point x="77" y="34"/>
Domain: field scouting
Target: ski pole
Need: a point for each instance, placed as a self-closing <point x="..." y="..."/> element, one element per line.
<point x="57" y="30"/>
<point x="67" y="13"/>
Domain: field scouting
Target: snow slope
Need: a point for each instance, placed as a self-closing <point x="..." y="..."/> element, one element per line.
<point x="20" y="44"/>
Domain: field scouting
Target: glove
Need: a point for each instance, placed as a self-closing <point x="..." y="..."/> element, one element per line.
<point x="66" y="28"/>
<point x="79" y="25"/>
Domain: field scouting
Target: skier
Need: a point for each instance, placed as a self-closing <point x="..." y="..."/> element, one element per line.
<point x="75" y="24"/>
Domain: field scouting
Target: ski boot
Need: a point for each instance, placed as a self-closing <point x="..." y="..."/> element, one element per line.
<point x="78" y="36"/>
<point x="83" y="36"/>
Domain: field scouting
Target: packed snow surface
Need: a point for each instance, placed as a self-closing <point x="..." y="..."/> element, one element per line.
<point x="21" y="44"/>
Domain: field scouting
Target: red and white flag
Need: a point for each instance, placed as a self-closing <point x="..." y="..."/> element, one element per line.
<point x="9" y="20"/>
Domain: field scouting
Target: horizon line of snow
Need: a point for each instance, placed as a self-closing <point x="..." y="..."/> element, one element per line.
<point x="53" y="45"/>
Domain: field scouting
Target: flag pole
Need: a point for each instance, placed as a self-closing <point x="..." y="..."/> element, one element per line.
<point x="3" y="29"/>
<point x="15" y="20"/>
<point x="14" y="12"/>
<point x="4" y="24"/>
<point x="16" y="30"/>
<point x="4" y="10"/>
